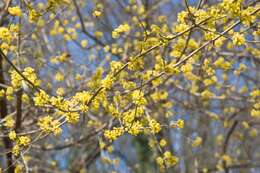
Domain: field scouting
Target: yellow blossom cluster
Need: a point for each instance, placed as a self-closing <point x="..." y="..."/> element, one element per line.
<point x="29" y="74"/>
<point x="114" y="133"/>
<point x="124" y="28"/>
<point x="155" y="126"/>
<point x="15" y="11"/>
<point x="167" y="160"/>
<point x="48" y="125"/>
<point x="196" y="142"/>
<point x="21" y="142"/>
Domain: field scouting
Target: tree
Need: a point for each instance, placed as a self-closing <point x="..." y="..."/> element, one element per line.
<point x="129" y="86"/>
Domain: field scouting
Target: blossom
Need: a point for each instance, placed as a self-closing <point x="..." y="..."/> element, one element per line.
<point x="15" y="11"/>
<point x="238" y="39"/>
<point x="196" y="142"/>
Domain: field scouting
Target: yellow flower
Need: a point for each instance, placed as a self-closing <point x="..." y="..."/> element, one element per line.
<point x="60" y="91"/>
<point x="124" y="28"/>
<point x="155" y="126"/>
<point x="227" y="159"/>
<point x="255" y="113"/>
<point x="24" y="141"/>
<point x="110" y="149"/>
<point x="138" y="98"/>
<point x="5" y="34"/>
<point x="16" y="150"/>
<point x="12" y="135"/>
<point x="18" y="168"/>
<point x="30" y="74"/>
<point x="106" y="48"/>
<point x="114" y="133"/>
<point x="41" y="98"/>
<point x="84" y="43"/>
<point x="136" y="128"/>
<point x="72" y="117"/>
<point x="16" y="79"/>
<point x="33" y="16"/>
<point x="102" y="145"/>
<point x="163" y="142"/>
<point x="107" y="82"/>
<point x="178" y="124"/>
<point x="96" y="13"/>
<point x="238" y="39"/>
<point x="196" y="142"/>
<point x="2" y="92"/>
<point x="253" y="132"/>
<point x="15" y="11"/>
<point x="9" y="123"/>
<point x="159" y="161"/>
<point x="48" y="125"/>
<point x="255" y="93"/>
<point x="78" y="77"/>
<point x="170" y="159"/>
<point x="59" y="77"/>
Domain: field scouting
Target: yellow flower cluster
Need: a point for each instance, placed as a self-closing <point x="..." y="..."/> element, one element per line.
<point x="158" y="96"/>
<point x="170" y="159"/>
<point x="222" y="64"/>
<point x="64" y="57"/>
<point x="57" y="29"/>
<point x="84" y="43"/>
<point x="246" y="16"/>
<point x="238" y="39"/>
<point x="107" y="82"/>
<point x="60" y="91"/>
<point x="12" y="135"/>
<point x="9" y="93"/>
<point x="53" y="4"/>
<point x="59" y="77"/>
<point x="114" y="133"/>
<point x="41" y="98"/>
<point x="16" y="149"/>
<point x="138" y="98"/>
<point x="15" y="11"/>
<point x="72" y="117"/>
<point x="48" y="125"/>
<point x="207" y="94"/>
<point x="16" y="79"/>
<point x="196" y="142"/>
<point x="163" y="143"/>
<point x="29" y="73"/>
<point x="167" y="160"/>
<point x="9" y="122"/>
<point x="33" y="16"/>
<point x="155" y="126"/>
<point x="255" y="112"/>
<point x="5" y="34"/>
<point x="135" y="128"/>
<point x="124" y="28"/>
<point x="22" y="141"/>
<point x="97" y="13"/>
<point x="178" y="124"/>
<point x="255" y="93"/>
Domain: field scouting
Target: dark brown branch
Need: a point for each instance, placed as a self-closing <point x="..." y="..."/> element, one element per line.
<point x="226" y="142"/>
<point x="4" y="112"/>
<point x="18" y="110"/>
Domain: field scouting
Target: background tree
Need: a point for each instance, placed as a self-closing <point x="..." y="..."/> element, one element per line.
<point x="129" y="86"/>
